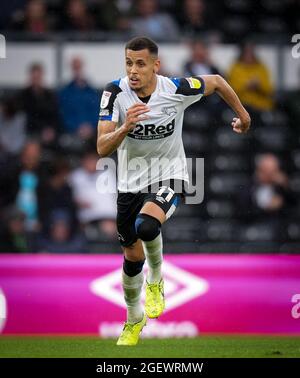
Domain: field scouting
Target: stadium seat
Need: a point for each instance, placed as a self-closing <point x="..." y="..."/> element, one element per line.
<point x="270" y="138"/>
<point x="238" y="6"/>
<point x="295" y="155"/>
<point x="236" y="25"/>
<point x="229" y="162"/>
<point x="185" y="211"/>
<point x="272" y="25"/>
<point x="221" y="230"/>
<point x="196" y="118"/>
<point x="262" y="232"/>
<point x="273" y="118"/>
<point x="295" y="183"/>
<point x="227" y="115"/>
<point x="227" y="140"/>
<point x="273" y="6"/>
<point x="293" y="230"/>
<point x="219" y="208"/>
<point x="184" y="229"/>
<point x="297" y="211"/>
<point x="227" y="184"/>
<point x="194" y="142"/>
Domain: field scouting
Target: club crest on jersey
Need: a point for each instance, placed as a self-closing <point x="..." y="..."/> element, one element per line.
<point x="194" y="83"/>
<point x="169" y="110"/>
<point x="105" y="99"/>
<point x="150" y="132"/>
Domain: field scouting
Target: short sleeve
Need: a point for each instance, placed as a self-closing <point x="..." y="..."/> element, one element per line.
<point x="190" y="86"/>
<point x="190" y="89"/>
<point x="109" y="108"/>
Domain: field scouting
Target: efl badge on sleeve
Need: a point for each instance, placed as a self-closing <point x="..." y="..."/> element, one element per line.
<point x="105" y="99"/>
<point x="194" y="83"/>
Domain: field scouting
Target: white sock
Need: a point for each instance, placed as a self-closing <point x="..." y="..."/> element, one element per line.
<point x="153" y="252"/>
<point x="132" y="287"/>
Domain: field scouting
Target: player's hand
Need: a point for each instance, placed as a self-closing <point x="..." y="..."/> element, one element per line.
<point x="241" y="126"/>
<point x="135" y="114"/>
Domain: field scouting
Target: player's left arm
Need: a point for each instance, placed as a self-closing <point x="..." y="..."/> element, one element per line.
<point x="216" y="84"/>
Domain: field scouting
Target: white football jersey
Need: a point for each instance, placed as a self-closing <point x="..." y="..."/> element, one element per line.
<point x="153" y="151"/>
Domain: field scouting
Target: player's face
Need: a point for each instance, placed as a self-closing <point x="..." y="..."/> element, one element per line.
<point x="141" y="68"/>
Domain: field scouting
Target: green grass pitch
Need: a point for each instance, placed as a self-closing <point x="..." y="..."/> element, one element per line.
<point x="200" y="347"/>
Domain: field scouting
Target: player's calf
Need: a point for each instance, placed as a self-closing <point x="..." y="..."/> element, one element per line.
<point x="148" y="230"/>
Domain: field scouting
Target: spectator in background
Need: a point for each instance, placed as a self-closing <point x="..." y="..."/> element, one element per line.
<point x="61" y="239"/>
<point x="79" y="103"/>
<point x="94" y="206"/>
<point x="40" y="106"/>
<point x="193" y="18"/>
<point x="9" y="8"/>
<point x="14" y="238"/>
<point x="114" y="15"/>
<point x="12" y="127"/>
<point x="33" y="19"/>
<point x="77" y="17"/>
<point x="25" y="182"/>
<point x="199" y="62"/>
<point x="152" y="23"/>
<point x="55" y="194"/>
<point x="250" y="78"/>
<point x="269" y="197"/>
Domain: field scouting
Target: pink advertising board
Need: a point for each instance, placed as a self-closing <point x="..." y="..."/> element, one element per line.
<point x="81" y="294"/>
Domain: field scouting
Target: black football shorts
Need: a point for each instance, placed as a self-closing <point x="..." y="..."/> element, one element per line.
<point x="167" y="195"/>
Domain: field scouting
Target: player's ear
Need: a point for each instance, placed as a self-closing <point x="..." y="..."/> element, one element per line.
<point x="156" y="66"/>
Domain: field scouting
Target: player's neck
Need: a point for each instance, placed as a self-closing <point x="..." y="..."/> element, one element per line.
<point x="149" y="89"/>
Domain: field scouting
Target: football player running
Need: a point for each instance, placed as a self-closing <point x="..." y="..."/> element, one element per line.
<point x="141" y="116"/>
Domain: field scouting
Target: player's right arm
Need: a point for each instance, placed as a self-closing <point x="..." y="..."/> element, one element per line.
<point x="215" y="83"/>
<point x="110" y="137"/>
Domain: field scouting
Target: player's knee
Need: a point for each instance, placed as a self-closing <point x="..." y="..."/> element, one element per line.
<point x="147" y="227"/>
<point x="132" y="268"/>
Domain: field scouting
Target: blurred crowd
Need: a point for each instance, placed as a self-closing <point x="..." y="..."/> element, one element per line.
<point x="159" y="19"/>
<point x="48" y="178"/>
<point x="49" y="198"/>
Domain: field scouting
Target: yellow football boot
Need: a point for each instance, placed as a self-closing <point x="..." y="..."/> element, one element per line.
<point x="155" y="299"/>
<point x="131" y="332"/>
